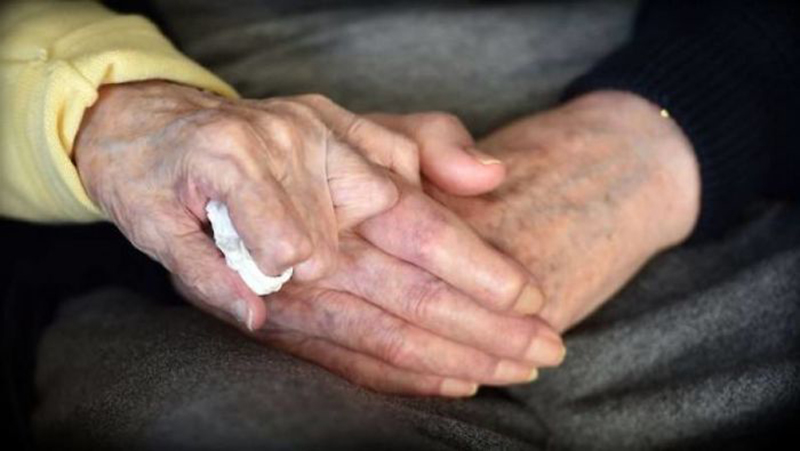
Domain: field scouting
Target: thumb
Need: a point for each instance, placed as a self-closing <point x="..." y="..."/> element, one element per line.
<point x="448" y="155"/>
<point x="359" y="189"/>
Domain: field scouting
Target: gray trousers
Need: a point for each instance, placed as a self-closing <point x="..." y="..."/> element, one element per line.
<point x="701" y="350"/>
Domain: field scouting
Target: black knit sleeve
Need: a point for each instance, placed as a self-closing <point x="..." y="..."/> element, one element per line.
<point x="728" y="71"/>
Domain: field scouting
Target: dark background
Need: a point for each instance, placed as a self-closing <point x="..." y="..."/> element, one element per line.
<point x="42" y="266"/>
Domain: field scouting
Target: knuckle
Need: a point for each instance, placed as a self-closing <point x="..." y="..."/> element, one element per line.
<point x="281" y="130"/>
<point x="228" y="148"/>
<point x="289" y="251"/>
<point x="420" y="298"/>
<point x="508" y="288"/>
<point x="394" y="348"/>
<point x="225" y="131"/>
<point x="305" y="118"/>
<point x="314" y="99"/>
<point x="300" y="109"/>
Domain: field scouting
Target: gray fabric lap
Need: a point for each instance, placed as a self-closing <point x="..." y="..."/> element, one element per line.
<point x="121" y="371"/>
<point x="701" y="342"/>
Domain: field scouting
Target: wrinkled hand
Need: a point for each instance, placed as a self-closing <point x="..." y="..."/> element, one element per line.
<point x="595" y="189"/>
<point x="292" y="171"/>
<point x="392" y="318"/>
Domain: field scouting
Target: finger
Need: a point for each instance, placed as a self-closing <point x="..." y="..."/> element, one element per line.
<point x="447" y="152"/>
<point x="360" y="326"/>
<point x="291" y="154"/>
<point x="268" y="223"/>
<point x="193" y="297"/>
<point x="426" y="301"/>
<point x="359" y="190"/>
<point x="423" y="232"/>
<point x="380" y="145"/>
<point x="234" y="172"/>
<point x="367" y="371"/>
<point x="206" y="280"/>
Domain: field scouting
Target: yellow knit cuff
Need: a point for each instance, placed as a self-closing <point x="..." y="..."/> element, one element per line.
<point x="54" y="84"/>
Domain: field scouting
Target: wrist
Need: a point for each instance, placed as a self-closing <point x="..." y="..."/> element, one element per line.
<point x="672" y="200"/>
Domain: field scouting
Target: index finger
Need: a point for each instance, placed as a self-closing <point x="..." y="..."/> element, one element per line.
<point x="421" y="231"/>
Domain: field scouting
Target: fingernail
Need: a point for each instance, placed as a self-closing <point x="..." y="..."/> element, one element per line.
<point x="512" y="372"/>
<point x="546" y="349"/>
<point x="242" y="313"/>
<point x="458" y="388"/>
<point x="483" y="158"/>
<point x="530" y="301"/>
<point x="534" y="375"/>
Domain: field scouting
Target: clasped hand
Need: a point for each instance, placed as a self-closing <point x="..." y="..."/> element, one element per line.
<point x="391" y="289"/>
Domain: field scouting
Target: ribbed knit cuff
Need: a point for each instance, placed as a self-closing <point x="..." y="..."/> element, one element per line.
<point x="717" y="97"/>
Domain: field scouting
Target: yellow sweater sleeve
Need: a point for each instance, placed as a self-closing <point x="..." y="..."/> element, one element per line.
<point x="53" y="57"/>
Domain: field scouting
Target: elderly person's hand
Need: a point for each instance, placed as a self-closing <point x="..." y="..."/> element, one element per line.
<point x="595" y="188"/>
<point x="293" y="172"/>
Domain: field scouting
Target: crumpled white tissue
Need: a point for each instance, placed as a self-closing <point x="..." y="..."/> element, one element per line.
<point x="236" y="255"/>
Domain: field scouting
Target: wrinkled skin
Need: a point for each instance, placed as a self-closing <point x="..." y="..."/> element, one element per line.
<point x="594" y="189"/>
<point x="153" y="154"/>
<point x="302" y="170"/>
<point x="391" y="325"/>
<point x="392" y="320"/>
